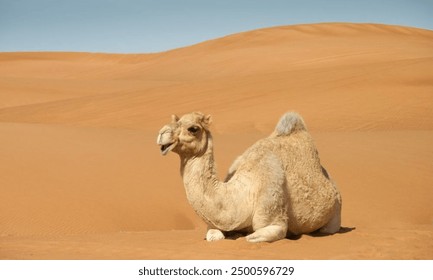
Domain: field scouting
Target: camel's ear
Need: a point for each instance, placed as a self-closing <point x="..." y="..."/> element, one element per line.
<point x="207" y="121"/>
<point x="174" y="118"/>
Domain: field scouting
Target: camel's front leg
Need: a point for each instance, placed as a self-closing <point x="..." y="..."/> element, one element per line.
<point x="214" y="234"/>
<point x="267" y="234"/>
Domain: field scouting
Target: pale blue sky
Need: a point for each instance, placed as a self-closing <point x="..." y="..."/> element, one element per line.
<point x="143" y="26"/>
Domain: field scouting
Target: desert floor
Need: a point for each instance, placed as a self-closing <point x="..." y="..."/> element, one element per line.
<point x="81" y="176"/>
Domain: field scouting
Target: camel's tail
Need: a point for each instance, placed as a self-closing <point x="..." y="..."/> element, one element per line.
<point x="289" y="123"/>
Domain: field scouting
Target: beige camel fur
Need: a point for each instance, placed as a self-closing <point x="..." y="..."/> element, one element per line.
<point x="276" y="188"/>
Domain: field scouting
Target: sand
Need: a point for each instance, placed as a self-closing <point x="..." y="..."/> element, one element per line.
<point x="81" y="176"/>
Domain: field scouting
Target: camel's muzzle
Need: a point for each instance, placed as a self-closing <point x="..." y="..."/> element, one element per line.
<point x="167" y="148"/>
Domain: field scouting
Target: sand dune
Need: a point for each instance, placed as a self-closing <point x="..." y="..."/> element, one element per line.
<point x="81" y="175"/>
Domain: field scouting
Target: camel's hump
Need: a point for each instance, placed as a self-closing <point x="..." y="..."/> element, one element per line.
<point x="289" y="123"/>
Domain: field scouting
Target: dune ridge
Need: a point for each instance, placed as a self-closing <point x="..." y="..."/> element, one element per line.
<point x="81" y="175"/>
<point x="280" y="63"/>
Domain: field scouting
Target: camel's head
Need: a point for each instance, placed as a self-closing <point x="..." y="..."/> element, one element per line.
<point x="187" y="135"/>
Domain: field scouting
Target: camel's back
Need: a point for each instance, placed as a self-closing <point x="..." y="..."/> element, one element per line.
<point x="296" y="153"/>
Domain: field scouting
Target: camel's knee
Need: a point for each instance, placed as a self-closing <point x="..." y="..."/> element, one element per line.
<point x="268" y="234"/>
<point x="214" y="235"/>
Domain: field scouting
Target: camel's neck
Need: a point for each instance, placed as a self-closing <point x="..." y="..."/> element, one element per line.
<point x="217" y="203"/>
<point x="201" y="183"/>
<point x="199" y="174"/>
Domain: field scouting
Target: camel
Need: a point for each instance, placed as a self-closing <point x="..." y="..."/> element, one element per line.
<point x="276" y="188"/>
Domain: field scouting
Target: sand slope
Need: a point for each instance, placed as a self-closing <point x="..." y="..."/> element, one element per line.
<point x="81" y="175"/>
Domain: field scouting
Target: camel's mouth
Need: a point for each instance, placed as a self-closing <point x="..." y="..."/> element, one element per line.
<point x="167" y="148"/>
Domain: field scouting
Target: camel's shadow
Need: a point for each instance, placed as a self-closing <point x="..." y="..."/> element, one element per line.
<point x="341" y="231"/>
<point x="317" y="233"/>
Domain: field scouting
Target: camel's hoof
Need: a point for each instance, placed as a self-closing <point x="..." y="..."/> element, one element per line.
<point x="214" y="235"/>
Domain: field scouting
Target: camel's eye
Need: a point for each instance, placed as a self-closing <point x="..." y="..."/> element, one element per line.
<point x="193" y="129"/>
